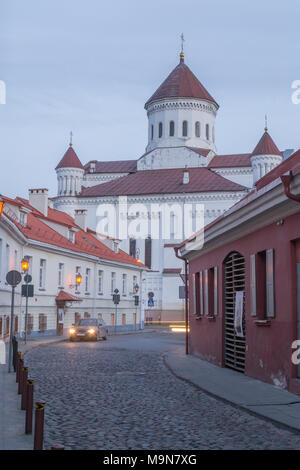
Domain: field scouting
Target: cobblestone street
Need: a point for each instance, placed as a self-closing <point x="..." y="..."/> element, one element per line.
<point x="118" y="394"/>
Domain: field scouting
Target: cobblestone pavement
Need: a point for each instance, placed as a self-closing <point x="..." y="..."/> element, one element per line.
<point x="109" y="395"/>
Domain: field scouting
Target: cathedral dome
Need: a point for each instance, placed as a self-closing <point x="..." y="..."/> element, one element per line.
<point x="181" y="83"/>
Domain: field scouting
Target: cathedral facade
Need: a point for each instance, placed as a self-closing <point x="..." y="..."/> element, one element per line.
<point x="178" y="185"/>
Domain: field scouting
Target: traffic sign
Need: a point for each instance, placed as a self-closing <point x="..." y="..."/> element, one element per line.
<point x="27" y="290"/>
<point x="27" y="278"/>
<point x="13" y="278"/>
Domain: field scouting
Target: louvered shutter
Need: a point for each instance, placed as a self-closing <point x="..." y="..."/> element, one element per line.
<point x="216" y="290"/>
<point x="270" y="283"/>
<point x="253" y="302"/>
<point x="206" y="307"/>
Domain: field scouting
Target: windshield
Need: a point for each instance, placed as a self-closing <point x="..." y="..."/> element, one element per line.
<point x="87" y="321"/>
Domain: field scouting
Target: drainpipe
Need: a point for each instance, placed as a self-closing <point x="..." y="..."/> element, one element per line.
<point x="176" y="248"/>
<point x="286" y="181"/>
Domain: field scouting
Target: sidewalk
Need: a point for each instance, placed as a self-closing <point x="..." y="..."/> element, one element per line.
<point x="257" y="397"/>
<point x="12" y="418"/>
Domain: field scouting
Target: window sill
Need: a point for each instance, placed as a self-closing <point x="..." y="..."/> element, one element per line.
<point x="262" y="322"/>
<point x="198" y="317"/>
<point x="211" y="317"/>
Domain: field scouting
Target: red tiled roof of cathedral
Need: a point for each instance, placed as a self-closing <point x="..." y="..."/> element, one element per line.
<point x="230" y="161"/>
<point x="181" y="83"/>
<point x="117" y="166"/>
<point x="165" y="181"/>
<point x="266" y="146"/>
<point x="70" y="160"/>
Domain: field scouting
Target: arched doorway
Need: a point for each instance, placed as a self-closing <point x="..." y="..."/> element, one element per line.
<point x="234" y="312"/>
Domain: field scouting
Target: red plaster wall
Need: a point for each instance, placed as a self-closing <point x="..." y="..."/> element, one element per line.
<point x="268" y="348"/>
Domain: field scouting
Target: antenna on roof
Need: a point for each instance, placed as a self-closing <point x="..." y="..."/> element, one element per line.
<point x="266" y="123"/>
<point x="71" y="138"/>
<point x="182" y="53"/>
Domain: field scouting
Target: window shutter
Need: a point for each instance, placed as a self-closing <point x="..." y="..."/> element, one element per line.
<point x="253" y="303"/>
<point x="270" y="283"/>
<point x="201" y="292"/>
<point x="206" y="309"/>
<point x="194" y="293"/>
<point x="216" y="290"/>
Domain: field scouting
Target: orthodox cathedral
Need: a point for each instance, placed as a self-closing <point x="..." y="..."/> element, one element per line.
<point x="180" y="167"/>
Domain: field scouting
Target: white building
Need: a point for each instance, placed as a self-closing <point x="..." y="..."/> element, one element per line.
<point x="181" y="166"/>
<point x="58" y="247"/>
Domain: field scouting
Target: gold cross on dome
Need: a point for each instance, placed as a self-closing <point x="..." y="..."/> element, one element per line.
<point x="182" y="41"/>
<point x="71" y="137"/>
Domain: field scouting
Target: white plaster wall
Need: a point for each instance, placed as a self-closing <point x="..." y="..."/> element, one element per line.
<point x="179" y="110"/>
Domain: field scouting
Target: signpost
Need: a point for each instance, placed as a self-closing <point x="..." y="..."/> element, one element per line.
<point x="13" y="278"/>
<point x="27" y="291"/>
<point x="116" y="300"/>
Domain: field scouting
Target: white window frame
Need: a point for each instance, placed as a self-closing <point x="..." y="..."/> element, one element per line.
<point x="42" y="273"/>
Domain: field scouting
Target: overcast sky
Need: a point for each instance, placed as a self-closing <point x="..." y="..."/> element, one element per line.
<point x="89" y="66"/>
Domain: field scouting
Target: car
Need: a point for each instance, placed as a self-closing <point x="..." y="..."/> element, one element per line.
<point x="91" y="329"/>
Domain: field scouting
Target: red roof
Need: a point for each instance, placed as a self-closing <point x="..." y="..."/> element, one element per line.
<point x="70" y="160"/>
<point x="163" y="181"/>
<point x="85" y="242"/>
<point x="172" y="270"/>
<point x="291" y="163"/>
<point x="64" y="296"/>
<point x="118" y="166"/>
<point x="181" y="83"/>
<point x="266" y="146"/>
<point x="229" y="161"/>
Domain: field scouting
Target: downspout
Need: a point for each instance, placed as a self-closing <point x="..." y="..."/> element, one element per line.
<point x="176" y="248"/>
<point x="286" y="181"/>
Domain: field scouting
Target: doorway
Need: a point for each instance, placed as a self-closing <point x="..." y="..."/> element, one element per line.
<point x="234" y="312"/>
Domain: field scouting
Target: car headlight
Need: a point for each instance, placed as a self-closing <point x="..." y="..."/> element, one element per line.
<point x="72" y="331"/>
<point x="91" y="330"/>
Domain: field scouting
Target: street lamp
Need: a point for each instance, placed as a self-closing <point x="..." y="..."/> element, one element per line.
<point x="137" y="255"/>
<point x="1" y="205"/>
<point x="78" y="279"/>
<point x="25" y="264"/>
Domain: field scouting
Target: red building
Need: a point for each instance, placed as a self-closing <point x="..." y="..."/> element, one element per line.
<point x="244" y="272"/>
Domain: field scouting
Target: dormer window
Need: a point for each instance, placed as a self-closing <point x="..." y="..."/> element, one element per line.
<point x="160" y="129"/>
<point x="71" y="236"/>
<point x="172" y="129"/>
<point x="23" y="218"/>
<point x="197" y="129"/>
<point x="92" y="167"/>
<point x="184" y="128"/>
<point x="115" y="247"/>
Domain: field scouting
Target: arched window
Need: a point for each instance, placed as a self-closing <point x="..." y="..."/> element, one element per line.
<point x="172" y="129"/>
<point x="207" y="131"/>
<point x="160" y="129"/>
<point x="213" y="134"/>
<point x="152" y="131"/>
<point x="197" y="129"/>
<point x="184" y="128"/>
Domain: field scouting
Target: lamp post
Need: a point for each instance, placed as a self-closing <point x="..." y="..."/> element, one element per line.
<point x="136" y="299"/>
<point x="27" y="279"/>
<point x="1" y="205"/>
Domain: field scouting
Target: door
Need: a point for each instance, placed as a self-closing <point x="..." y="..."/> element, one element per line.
<point x="234" y="312"/>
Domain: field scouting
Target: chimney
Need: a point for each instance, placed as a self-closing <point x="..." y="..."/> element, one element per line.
<point x="80" y="218"/>
<point x="38" y="198"/>
<point x="186" y="177"/>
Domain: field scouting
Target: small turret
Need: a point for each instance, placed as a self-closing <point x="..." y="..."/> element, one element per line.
<point x="70" y="173"/>
<point x="265" y="156"/>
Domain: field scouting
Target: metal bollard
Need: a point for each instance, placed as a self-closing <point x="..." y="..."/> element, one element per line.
<point x="29" y="406"/>
<point x="21" y="366"/>
<point x="39" y="425"/>
<point x="24" y="388"/>
<point x="15" y="351"/>
<point x="18" y="366"/>
<point x="57" y="447"/>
